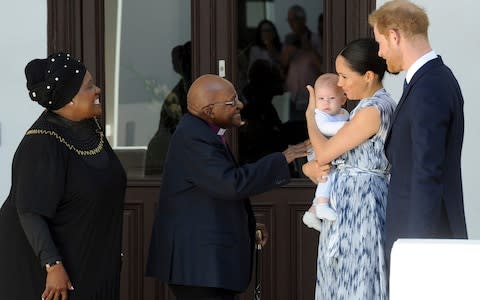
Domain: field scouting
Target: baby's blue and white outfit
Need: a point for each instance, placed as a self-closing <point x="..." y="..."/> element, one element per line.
<point x="328" y="125"/>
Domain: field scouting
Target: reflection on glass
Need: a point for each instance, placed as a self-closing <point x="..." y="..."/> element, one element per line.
<point x="147" y="74"/>
<point x="283" y="48"/>
<point x="141" y="72"/>
<point x="174" y="106"/>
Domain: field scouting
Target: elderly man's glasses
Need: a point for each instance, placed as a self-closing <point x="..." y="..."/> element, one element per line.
<point x="232" y="102"/>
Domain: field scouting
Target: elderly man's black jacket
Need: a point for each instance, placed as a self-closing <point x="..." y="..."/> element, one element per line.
<point x="203" y="234"/>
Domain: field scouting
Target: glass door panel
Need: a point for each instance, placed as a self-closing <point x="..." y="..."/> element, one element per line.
<point x="148" y="71"/>
<point x="280" y="46"/>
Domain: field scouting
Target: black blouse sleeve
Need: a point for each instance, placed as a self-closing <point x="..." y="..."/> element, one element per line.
<point x="39" y="172"/>
<point x="38" y="234"/>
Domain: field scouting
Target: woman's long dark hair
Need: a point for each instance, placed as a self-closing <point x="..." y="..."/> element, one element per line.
<point x="362" y="56"/>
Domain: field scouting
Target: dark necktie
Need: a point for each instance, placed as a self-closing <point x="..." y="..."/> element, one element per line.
<point x="405" y="84"/>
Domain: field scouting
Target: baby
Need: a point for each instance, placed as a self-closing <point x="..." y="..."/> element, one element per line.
<point x="330" y="117"/>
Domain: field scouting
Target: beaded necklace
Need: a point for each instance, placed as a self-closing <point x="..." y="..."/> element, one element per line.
<point x="93" y="151"/>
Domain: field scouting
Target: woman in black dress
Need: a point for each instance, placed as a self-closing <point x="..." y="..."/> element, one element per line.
<point x="61" y="225"/>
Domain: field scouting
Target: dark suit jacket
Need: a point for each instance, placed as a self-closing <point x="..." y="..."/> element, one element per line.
<point x="203" y="234"/>
<point x="424" y="145"/>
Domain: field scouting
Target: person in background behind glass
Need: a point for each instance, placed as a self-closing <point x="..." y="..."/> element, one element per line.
<point x="173" y="107"/>
<point x="267" y="44"/>
<point x="262" y="133"/>
<point x="300" y="61"/>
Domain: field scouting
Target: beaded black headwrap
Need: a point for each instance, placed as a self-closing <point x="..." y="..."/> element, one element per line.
<point x="54" y="81"/>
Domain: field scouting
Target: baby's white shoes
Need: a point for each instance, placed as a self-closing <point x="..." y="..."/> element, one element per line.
<point x="325" y="212"/>
<point x="311" y="221"/>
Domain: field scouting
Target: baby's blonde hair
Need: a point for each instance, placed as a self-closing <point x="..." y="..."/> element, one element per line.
<point x="327" y="80"/>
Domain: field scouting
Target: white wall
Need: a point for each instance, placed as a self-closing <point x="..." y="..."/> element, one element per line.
<point x="454" y="35"/>
<point x="23" y="32"/>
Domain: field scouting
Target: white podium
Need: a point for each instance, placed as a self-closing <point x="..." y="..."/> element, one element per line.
<point x="435" y="269"/>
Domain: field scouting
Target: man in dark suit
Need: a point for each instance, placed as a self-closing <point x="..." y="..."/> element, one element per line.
<point x="424" y="144"/>
<point x="203" y="235"/>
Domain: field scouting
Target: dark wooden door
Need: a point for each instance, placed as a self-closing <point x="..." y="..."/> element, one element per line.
<point x="288" y="262"/>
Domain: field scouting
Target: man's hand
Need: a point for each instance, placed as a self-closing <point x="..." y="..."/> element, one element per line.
<point x="295" y="151"/>
<point x="316" y="172"/>
<point x="57" y="284"/>
<point x="261" y="234"/>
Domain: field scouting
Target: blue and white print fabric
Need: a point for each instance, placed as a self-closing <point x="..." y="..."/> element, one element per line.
<point x="351" y="260"/>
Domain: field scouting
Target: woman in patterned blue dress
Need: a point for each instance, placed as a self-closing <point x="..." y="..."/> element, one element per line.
<point x="351" y="262"/>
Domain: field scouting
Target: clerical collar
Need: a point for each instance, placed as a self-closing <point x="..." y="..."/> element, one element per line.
<point x="219" y="131"/>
